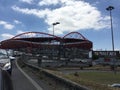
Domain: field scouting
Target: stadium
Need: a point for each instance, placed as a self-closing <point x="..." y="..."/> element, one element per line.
<point x="71" y="47"/>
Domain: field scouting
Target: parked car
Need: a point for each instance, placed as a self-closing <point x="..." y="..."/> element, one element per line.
<point x="99" y="61"/>
<point x="5" y="62"/>
<point x="12" y="58"/>
<point x="116" y="85"/>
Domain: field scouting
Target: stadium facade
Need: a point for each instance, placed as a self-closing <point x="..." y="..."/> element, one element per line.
<point x="72" y="46"/>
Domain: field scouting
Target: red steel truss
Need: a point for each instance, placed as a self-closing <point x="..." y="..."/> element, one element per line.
<point x="40" y="39"/>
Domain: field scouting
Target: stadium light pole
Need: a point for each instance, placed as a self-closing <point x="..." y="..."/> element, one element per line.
<point x="110" y="8"/>
<point x="54" y="25"/>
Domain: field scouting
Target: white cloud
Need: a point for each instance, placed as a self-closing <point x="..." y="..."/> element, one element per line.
<point x="6" y="36"/>
<point x="20" y="31"/>
<point x="26" y="34"/>
<point x="27" y="1"/>
<point x="48" y="2"/>
<point x="17" y="22"/>
<point x="73" y="15"/>
<point x="6" y="25"/>
<point x="55" y="2"/>
<point x="36" y="12"/>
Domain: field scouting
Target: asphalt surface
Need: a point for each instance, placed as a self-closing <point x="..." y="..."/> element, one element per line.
<point x="27" y="79"/>
<point x="20" y="82"/>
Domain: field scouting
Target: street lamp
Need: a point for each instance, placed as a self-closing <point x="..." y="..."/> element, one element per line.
<point x="54" y="25"/>
<point x="110" y="8"/>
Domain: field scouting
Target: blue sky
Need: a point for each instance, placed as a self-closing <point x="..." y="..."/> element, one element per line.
<point x="88" y="17"/>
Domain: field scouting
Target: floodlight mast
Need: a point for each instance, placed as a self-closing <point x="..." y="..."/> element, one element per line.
<point x="110" y="8"/>
<point x="54" y="25"/>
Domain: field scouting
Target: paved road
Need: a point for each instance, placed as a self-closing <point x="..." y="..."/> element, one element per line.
<point x="20" y="82"/>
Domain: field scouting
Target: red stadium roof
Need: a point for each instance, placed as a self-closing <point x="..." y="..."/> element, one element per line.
<point x="38" y="39"/>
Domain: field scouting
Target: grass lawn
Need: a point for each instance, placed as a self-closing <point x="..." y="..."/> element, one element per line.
<point x="95" y="80"/>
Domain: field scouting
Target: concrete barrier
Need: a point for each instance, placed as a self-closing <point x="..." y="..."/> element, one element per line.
<point x="68" y="84"/>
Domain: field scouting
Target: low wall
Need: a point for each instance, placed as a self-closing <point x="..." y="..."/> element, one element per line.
<point x="69" y="85"/>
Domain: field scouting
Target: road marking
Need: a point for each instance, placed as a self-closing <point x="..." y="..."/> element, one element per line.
<point x="37" y="86"/>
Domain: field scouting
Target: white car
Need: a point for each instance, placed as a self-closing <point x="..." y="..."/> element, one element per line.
<point x="5" y="62"/>
<point x="115" y="85"/>
<point x="12" y="58"/>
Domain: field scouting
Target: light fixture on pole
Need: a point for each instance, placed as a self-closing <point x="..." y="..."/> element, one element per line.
<point x="110" y="8"/>
<point x="54" y="25"/>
